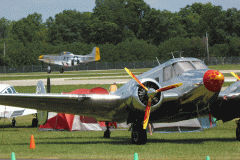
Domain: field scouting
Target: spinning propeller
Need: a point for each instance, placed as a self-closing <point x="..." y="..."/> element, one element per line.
<point x="151" y="93"/>
<point x="235" y="75"/>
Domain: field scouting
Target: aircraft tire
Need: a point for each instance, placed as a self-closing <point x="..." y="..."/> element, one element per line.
<point x="106" y="134"/>
<point x="34" y="122"/>
<point x="139" y="135"/>
<point x="238" y="132"/>
<point x="61" y="70"/>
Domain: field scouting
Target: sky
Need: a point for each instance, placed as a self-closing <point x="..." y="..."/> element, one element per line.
<point x="17" y="9"/>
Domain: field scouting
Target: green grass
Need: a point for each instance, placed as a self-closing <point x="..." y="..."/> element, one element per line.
<point x="83" y="74"/>
<point x="225" y="67"/>
<point x="218" y="143"/>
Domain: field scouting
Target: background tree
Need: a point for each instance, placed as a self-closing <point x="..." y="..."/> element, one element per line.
<point x="159" y="26"/>
<point x="68" y="26"/>
<point x="4" y="28"/>
<point x="26" y="29"/>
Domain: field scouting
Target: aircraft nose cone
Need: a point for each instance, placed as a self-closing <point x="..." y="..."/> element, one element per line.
<point x="213" y="80"/>
<point x="40" y="57"/>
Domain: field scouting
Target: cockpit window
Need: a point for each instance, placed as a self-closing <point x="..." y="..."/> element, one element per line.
<point x="13" y="90"/>
<point x="66" y="53"/>
<point x="168" y="73"/>
<point x="9" y="90"/>
<point x="181" y="67"/>
<point x="199" y="65"/>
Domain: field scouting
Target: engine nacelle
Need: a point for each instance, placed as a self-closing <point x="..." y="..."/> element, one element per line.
<point x="140" y="96"/>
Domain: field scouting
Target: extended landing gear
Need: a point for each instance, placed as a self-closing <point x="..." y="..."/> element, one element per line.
<point x="14" y="122"/>
<point x="49" y="69"/>
<point x="61" y="70"/>
<point x="238" y="130"/>
<point x="34" y="122"/>
<point x="139" y="135"/>
<point x="107" y="132"/>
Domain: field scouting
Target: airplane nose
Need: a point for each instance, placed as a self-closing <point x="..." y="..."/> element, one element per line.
<point x="213" y="80"/>
<point x="40" y="57"/>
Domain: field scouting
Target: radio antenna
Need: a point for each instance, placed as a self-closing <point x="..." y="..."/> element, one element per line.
<point x="158" y="61"/>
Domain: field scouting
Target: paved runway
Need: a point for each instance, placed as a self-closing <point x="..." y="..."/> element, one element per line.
<point x="90" y="80"/>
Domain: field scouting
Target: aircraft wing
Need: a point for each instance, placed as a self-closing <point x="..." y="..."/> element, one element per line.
<point x="101" y="107"/>
<point x="52" y="59"/>
<point x="10" y="112"/>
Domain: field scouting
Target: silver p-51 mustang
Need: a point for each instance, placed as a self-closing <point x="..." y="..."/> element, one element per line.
<point x="67" y="59"/>
<point x="179" y="89"/>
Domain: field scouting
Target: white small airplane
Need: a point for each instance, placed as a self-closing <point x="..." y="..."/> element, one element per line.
<point x="67" y="59"/>
<point x="12" y="112"/>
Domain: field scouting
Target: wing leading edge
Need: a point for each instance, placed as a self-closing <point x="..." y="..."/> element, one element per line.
<point x="101" y="107"/>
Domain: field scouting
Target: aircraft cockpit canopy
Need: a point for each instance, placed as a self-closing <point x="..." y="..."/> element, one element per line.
<point x="65" y="53"/>
<point x="180" y="67"/>
<point x="8" y="89"/>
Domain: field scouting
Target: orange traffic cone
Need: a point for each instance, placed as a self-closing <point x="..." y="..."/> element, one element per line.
<point x="32" y="143"/>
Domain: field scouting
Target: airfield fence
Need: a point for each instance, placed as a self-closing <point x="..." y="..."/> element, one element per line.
<point x="111" y="65"/>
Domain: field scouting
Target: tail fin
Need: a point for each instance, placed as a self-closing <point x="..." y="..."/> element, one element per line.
<point x="42" y="116"/>
<point x="96" y="52"/>
<point x="40" y="89"/>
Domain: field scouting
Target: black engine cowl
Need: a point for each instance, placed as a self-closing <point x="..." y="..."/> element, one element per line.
<point x="140" y="96"/>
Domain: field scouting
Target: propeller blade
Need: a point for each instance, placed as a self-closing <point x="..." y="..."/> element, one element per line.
<point x="147" y="113"/>
<point x="169" y="87"/>
<point x="135" y="78"/>
<point x="235" y="75"/>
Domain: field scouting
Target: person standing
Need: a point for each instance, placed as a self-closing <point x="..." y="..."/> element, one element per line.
<point x="150" y="128"/>
<point x="113" y="88"/>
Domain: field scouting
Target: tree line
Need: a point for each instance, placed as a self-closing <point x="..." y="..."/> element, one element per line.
<point x="124" y="30"/>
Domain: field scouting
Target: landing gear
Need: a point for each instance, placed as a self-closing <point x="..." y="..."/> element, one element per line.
<point x="139" y="135"/>
<point x="238" y="130"/>
<point x="14" y="122"/>
<point x="34" y="122"/>
<point x="107" y="132"/>
<point x="61" y="70"/>
<point x="49" y="69"/>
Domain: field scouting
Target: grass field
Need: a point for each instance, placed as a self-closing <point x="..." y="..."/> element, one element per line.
<point x="218" y="142"/>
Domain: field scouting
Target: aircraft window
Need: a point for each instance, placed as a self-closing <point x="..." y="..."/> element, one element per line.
<point x="65" y="53"/>
<point x="167" y="73"/>
<point x="13" y="90"/>
<point x="199" y="65"/>
<point x="9" y="90"/>
<point x="181" y="67"/>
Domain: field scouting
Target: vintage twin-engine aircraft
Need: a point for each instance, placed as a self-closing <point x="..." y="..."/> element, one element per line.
<point x="195" y="92"/>
<point x="67" y="59"/>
